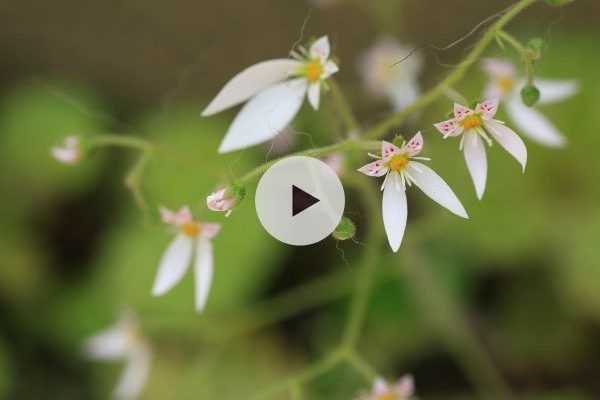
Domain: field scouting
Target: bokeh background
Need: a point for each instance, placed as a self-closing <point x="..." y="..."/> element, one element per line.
<point x="75" y="249"/>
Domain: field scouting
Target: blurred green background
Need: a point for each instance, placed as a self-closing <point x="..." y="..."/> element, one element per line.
<point x="75" y="250"/>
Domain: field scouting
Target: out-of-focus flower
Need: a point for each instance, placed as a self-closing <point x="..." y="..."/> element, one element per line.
<point x="389" y="69"/>
<point x="506" y="85"/>
<point x="474" y="126"/>
<point x="69" y="152"/>
<point x="193" y="240"/>
<point x="275" y="90"/>
<point x="400" y="170"/>
<point x="404" y="389"/>
<point x="336" y="162"/>
<point x="123" y="342"/>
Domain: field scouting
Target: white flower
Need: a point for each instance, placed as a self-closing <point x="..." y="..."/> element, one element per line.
<point x="384" y="75"/>
<point x="193" y="240"/>
<point x="275" y="90"/>
<point x="474" y="126"/>
<point x="506" y="85"/>
<point x="400" y="170"/>
<point x="404" y="389"/>
<point x="69" y="152"/>
<point x="123" y="342"/>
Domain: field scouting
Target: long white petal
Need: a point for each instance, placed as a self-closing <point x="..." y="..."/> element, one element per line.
<point x="249" y="82"/>
<point x="534" y="124"/>
<point x="320" y="48"/>
<point x="394" y="210"/>
<point x="109" y="344"/>
<point x="203" y="272"/>
<point x="433" y="186"/>
<point x="552" y="91"/>
<point x="314" y="93"/>
<point x="509" y="140"/>
<point x="265" y="115"/>
<point x="135" y="375"/>
<point x="476" y="159"/>
<point x="175" y="261"/>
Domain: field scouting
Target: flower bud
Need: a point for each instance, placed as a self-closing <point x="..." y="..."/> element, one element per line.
<point x="530" y="95"/>
<point x="70" y="152"/>
<point x="226" y="198"/>
<point x="345" y="229"/>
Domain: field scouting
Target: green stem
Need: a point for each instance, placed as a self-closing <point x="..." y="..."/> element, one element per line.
<point x="446" y="315"/>
<point x="133" y="180"/>
<point x="302" y="377"/>
<point x="348" y="144"/>
<point x="513" y="41"/>
<point x="456" y="75"/>
<point x="368" y="263"/>
<point x="362" y="366"/>
<point x="343" y="107"/>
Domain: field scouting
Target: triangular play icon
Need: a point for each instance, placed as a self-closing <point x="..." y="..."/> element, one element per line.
<point x="301" y="200"/>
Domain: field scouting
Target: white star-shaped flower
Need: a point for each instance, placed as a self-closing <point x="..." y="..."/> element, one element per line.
<point x="384" y="75"/>
<point x="274" y="91"/>
<point x="193" y="240"/>
<point x="506" y="85"/>
<point x="400" y="169"/>
<point x="123" y="342"/>
<point x="474" y="126"/>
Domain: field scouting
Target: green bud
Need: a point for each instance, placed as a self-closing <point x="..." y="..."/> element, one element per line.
<point x="398" y="140"/>
<point x="558" y="3"/>
<point x="345" y="229"/>
<point x="237" y="191"/>
<point x="530" y="95"/>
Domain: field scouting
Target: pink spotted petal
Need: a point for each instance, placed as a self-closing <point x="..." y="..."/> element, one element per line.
<point x="461" y="111"/>
<point x="488" y="108"/>
<point x="388" y="149"/>
<point x="376" y="168"/>
<point x="448" y="128"/>
<point x="414" y="145"/>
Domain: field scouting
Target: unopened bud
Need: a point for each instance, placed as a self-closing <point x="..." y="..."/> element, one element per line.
<point x="345" y="230"/>
<point x="530" y="95"/>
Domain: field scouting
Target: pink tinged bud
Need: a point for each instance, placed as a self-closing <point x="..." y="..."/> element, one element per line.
<point x="69" y="152"/>
<point x="220" y="201"/>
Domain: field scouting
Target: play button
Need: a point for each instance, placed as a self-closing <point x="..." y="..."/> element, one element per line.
<point x="300" y="200"/>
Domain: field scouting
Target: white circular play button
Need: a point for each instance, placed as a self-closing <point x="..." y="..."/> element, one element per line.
<point x="300" y="200"/>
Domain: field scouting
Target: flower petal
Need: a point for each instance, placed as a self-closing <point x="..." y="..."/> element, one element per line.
<point x="330" y="69"/>
<point x="203" y="272"/>
<point x="488" y="108"/>
<point x="109" y="344"/>
<point x="376" y="168"/>
<point x="498" y="68"/>
<point x="320" y="48"/>
<point x="210" y="230"/>
<point x="534" y="124"/>
<point x="552" y="91"/>
<point x="414" y="145"/>
<point x="405" y="387"/>
<point x="135" y="375"/>
<point x="403" y="92"/>
<point x="249" y="82"/>
<point x="380" y="387"/>
<point x="461" y="111"/>
<point x="175" y="261"/>
<point x="388" y="149"/>
<point x="394" y="210"/>
<point x="433" y="186"/>
<point x="449" y="128"/>
<point x="314" y="92"/>
<point x="476" y="159"/>
<point x="509" y="140"/>
<point x="265" y="115"/>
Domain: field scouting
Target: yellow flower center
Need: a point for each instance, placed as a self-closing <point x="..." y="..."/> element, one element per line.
<point x="386" y="396"/>
<point x="191" y="229"/>
<point x="470" y="122"/>
<point x="313" y="70"/>
<point x="398" y="162"/>
<point x="506" y="84"/>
